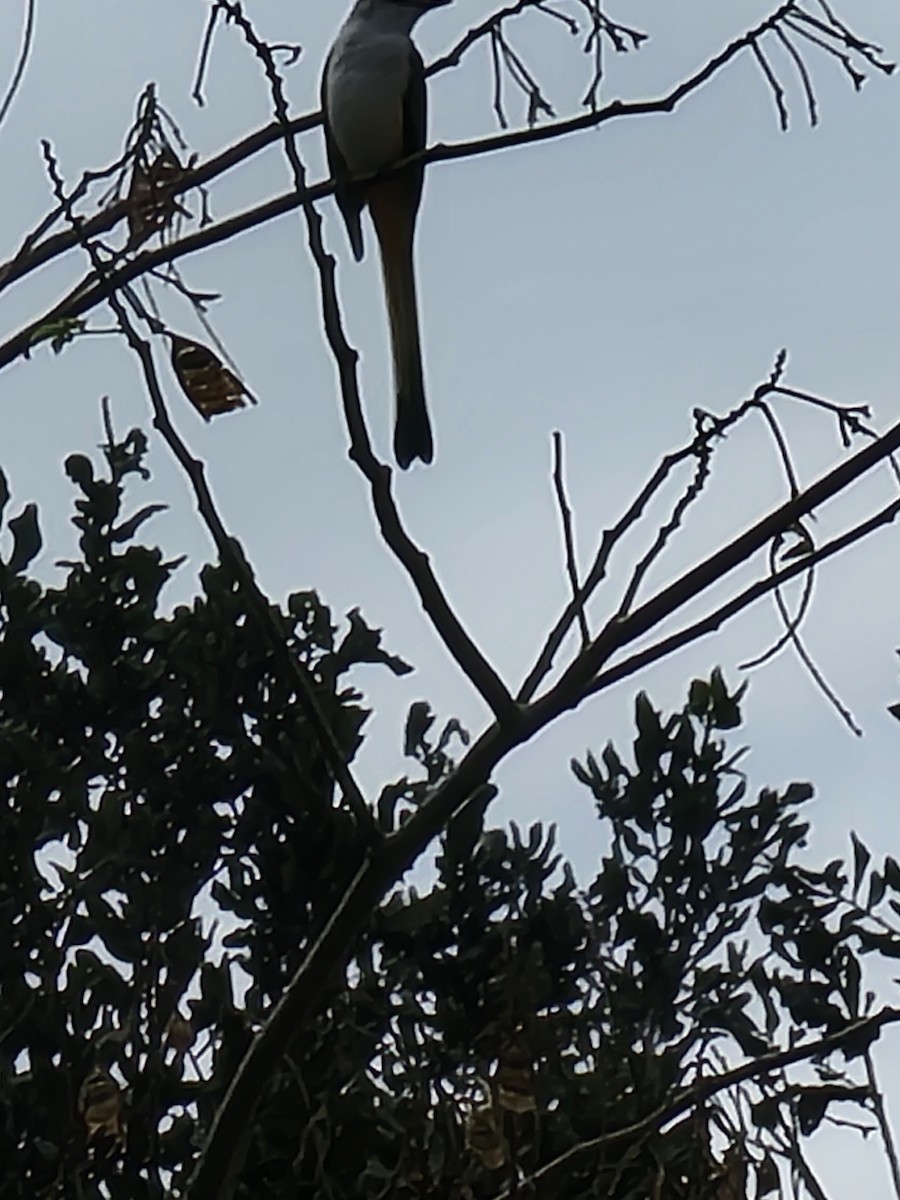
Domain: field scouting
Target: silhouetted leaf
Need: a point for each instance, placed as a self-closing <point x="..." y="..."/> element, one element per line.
<point x="26" y="539"/>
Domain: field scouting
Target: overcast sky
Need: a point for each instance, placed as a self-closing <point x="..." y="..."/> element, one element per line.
<point x="604" y="284"/>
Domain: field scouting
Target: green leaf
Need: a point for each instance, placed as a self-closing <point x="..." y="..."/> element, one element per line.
<point x="892" y="873"/>
<point x="419" y="720"/>
<point x="861" y="859"/>
<point x="811" y="1106"/>
<point x="876" y="890"/>
<point x="26" y="538"/>
<point x="57" y="333"/>
<point x="80" y="470"/>
<point x="126" y="531"/>
<point x="466" y="826"/>
<point x="698" y="697"/>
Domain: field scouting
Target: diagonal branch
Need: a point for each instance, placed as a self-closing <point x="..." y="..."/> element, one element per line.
<point x="90" y="292"/>
<point x="711" y="1085"/>
<point x="229" y="550"/>
<point x="410" y="556"/>
<point x="220" y="1162"/>
<point x="621" y="632"/>
<point x="718" y="617"/>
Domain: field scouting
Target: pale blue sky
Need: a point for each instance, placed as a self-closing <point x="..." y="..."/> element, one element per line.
<point x="604" y="284"/>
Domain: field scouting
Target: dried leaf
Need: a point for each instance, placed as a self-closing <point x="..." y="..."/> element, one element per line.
<point x="205" y="380"/>
<point x="483" y="1136"/>
<point x="151" y="205"/>
<point x="100" y="1104"/>
<point x="515" y="1078"/>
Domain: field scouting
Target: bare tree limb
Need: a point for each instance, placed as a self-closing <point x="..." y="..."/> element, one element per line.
<point x="620" y="632"/>
<point x="90" y="292"/>
<point x="411" y="557"/>
<point x="717" y="618"/>
<point x="229" y="550"/>
<point x="565" y="516"/>
<point x="19" y="70"/>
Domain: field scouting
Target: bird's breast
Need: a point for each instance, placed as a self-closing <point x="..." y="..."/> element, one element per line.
<point x="365" y="86"/>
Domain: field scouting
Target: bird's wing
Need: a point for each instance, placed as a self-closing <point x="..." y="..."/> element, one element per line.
<point x="415" y="121"/>
<point x="349" y="197"/>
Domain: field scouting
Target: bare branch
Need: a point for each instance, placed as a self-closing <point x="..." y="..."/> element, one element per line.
<point x="792" y="633"/>
<point x="24" y="52"/>
<point x="565" y="516"/>
<point x="413" y="559"/>
<point x="229" y="550"/>
<point x="203" y="60"/>
<point x="622" y="631"/>
<point x="665" y="532"/>
<point x="775" y="87"/>
<point x="676" y="641"/>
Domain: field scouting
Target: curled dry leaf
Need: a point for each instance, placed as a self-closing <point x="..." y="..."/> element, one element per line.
<point x="209" y="385"/>
<point x="179" y="1033"/>
<point x="483" y="1136"/>
<point x="151" y="205"/>
<point x="100" y="1104"/>
<point x="515" y="1078"/>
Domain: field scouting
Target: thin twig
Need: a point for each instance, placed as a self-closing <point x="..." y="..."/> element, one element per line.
<point x="708" y="1086"/>
<point x="793" y="634"/>
<point x="565" y="516"/>
<point x="665" y="532"/>
<point x="411" y="557"/>
<point x="252" y="144"/>
<point x="24" y="52"/>
<point x="229" y="550"/>
<point x="884" y="1125"/>
<point x="205" y="47"/>
<point x="793" y="622"/>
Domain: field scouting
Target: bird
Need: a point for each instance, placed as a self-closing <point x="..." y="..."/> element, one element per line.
<point x="374" y="106"/>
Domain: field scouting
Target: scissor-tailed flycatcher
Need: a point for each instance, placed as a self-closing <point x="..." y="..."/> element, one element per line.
<point x="374" y="102"/>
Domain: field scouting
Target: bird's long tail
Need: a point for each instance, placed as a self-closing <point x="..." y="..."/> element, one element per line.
<point x="393" y="217"/>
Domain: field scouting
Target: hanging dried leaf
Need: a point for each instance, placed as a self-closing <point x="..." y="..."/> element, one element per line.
<point x="179" y="1034"/>
<point x="100" y="1104"/>
<point x="483" y="1136"/>
<point x="515" y="1078"/>
<point x="205" y="380"/>
<point x="151" y="205"/>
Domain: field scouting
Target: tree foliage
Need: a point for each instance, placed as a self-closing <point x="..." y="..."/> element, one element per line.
<point x="173" y="841"/>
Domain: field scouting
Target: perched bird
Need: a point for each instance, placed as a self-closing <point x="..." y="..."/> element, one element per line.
<point x="374" y="104"/>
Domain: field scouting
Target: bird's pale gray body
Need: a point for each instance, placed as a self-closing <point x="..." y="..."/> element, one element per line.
<point x="366" y="79"/>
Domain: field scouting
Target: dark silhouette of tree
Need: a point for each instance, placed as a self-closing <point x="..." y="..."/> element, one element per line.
<point x="214" y="981"/>
<point x="174" y="846"/>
